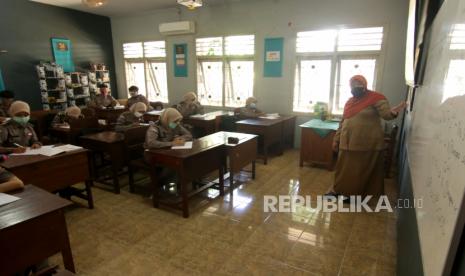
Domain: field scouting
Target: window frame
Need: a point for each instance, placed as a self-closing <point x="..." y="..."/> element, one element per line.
<point x="335" y="58"/>
<point x="225" y="59"/>
<point x="146" y="61"/>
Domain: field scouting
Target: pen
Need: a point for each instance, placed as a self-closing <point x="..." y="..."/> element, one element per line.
<point x="19" y="146"/>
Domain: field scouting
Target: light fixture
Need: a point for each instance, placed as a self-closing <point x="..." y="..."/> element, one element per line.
<point x="94" y="3"/>
<point x="191" y="4"/>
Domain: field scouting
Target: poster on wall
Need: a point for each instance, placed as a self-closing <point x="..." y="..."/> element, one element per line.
<point x="180" y="60"/>
<point x="273" y="66"/>
<point x="62" y="53"/>
<point x="2" y="84"/>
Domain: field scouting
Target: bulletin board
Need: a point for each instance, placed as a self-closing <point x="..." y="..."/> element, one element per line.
<point x="2" y="84"/>
<point x="180" y="60"/>
<point x="273" y="62"/>
<point x="63" y="54"/>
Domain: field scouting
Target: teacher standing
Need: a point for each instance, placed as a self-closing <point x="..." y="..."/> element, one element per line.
<point x="360" y="142"/>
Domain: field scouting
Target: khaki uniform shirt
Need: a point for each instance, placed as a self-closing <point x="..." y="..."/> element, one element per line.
<point x="101" y="100"/>
<point x="159" y="137"/>
<point x="187" y="110"/>
<point x="126" y="119"/>
<point x="363" y="132"/>
<point x="247" y="112"/>
<point x="138" y="98"/>
<point x="61" y="118"/>
<point x="12" y="132"/>
<point x="3" y="112"/>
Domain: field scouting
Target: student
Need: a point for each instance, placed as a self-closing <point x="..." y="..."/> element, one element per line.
<point x="9" y="182"/>
<point x="136" y="98"/>
<point x="190" y="106"/>
<point x="167" y="131"/>
<point x="7" y="98"/>
<point x="18" y="131"/>
<point x="63" y="117"/>
<point x="359" y="142"/>
<point x="250" y="110"/>
<point x="131" y="117"/>
<point x="104" y="99"/>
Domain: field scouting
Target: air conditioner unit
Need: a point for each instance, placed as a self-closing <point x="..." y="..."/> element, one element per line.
<point x="177" y="28"/>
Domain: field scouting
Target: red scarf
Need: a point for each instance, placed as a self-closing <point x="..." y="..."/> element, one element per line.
<point x="355" y="105"/>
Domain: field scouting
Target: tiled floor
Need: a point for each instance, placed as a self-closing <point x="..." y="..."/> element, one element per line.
<point x="124" y="235"/>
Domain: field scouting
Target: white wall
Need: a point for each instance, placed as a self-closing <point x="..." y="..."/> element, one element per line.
<point x="270" y="18"/>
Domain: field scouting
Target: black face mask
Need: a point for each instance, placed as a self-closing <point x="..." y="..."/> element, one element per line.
<point x="358" y="92"/>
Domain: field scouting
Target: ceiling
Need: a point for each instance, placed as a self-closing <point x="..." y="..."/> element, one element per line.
<point x="122" y="7"/>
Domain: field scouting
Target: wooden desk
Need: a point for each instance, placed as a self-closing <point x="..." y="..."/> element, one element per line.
<point x="54" y="173"/>
<point x="209" y="122"/>
<point x="153" y="115"/>
<point x="316" y="143"/>
<point x="206" y="155"/>
<point x="109" y="142"/>
<point x="33" y="229"/>
<point x="271" y="131"/>
<point x="240" y="154"/>
<point x="110" y="115"/>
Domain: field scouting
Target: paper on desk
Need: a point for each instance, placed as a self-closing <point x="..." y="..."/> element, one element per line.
<point x="270" y="116"/>
<point x="187" y="145"/>
<point x="198" y="115"/>
<point x="48" y="150"/>
<point x="6" y="198"/>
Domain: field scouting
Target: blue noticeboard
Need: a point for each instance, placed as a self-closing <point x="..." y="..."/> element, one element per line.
<point x="62" y="53"/>
<point x="180" y="60"/>
<point x="273" y="62"/>
<point x="2" y="84"/>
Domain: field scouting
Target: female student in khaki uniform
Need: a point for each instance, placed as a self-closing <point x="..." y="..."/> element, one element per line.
<point x="250" y="110"/>
<point x="18" y="131"/>
<point x="131" y="117"/>
<point x="167" y="131"/>
<point x="190" y="106"/>
<point x="360" y="142"/>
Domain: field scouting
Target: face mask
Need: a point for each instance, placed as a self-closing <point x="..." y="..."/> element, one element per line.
<point x="138" y="114"/>
<point x="253" y="105"/>
<point x="358" y="92"/>
<point x="21" y="120"/>
<point x="132" y="94"/>
<point x="172" y="125"/>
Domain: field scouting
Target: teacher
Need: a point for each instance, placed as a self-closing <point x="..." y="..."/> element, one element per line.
<point x="360" y="142"/>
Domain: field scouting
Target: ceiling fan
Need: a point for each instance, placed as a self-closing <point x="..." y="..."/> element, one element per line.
<point x="94" y="3"/>
<point x="191" y="4"/>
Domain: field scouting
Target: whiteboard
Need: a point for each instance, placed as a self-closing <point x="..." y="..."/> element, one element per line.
<point x="436" y="142"/>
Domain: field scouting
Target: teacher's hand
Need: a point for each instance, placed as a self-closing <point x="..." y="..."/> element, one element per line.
<point x="398" y="108"/>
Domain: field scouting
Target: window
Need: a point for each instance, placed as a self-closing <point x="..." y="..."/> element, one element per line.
<point x="327" y="59"/>
<point x="146" y="68"/>
<point x="225" y="70"/>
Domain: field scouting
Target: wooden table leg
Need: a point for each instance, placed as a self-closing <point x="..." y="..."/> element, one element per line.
<point x="155" y="187"/>
<point x="231" y="182"/>
<point x="265" y="153"/>
<point x="184" y="195"/>
<point x="66" y="250"/>
<point x="221" y="179"/>
<point x="253" y="169"/>
<point x="114" y="172"/>
<point x="90" y="199"/>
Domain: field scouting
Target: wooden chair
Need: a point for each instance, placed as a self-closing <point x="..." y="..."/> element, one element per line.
<point x="41" y="120"/>
<point x="134" y="139"/>
<point x="122" y="101"/>
<point x="157" y="105"/>
<point x="390" y="144"/>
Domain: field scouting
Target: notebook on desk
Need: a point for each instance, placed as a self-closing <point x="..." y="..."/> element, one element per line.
<point x="187" y="145"/>
<point x="48" y="150"/>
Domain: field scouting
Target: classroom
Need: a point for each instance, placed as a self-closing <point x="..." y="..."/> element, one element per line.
<point x="232" y="137"/>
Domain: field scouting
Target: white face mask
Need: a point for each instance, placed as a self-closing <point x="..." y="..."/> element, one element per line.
<point x="132" y="94"/>
<point x="138" y="114"/>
